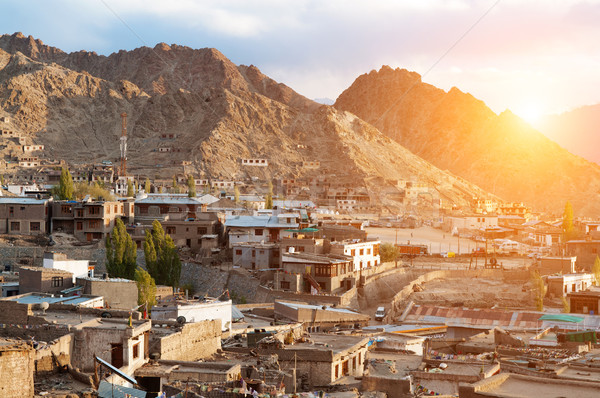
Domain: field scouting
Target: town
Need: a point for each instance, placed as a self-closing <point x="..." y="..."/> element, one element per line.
<point x="116" y="285"/>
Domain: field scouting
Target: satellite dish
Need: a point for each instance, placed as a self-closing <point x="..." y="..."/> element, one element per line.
<point x="44" y="306"/>
<point x="181" y="319"/>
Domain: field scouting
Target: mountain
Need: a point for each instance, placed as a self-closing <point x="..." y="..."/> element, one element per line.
<point x="577" y="130"/>
<point x="324" y="101"/>
<point x="455" y="131"/>
<point x="196" y="106"/>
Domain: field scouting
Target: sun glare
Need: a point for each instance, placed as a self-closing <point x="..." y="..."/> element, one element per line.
<point x="530" y="112"/>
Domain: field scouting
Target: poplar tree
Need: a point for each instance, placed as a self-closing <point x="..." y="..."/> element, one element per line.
<point x="269" y="198"/>
<point x="191" y="187"/>
<point x="162" y="258"/>
<point x="236" y="194"/>
<point x="121" y="253"/>
<point x="65" y="185"/>
<point x="130" y="192"/>
<point x="567" y="223"/>
<point x="147" y="185"/>
<point x="596" y="271"/>
<point x="146" y="288"/>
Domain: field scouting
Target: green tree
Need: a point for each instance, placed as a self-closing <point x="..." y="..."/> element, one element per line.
<point x="566" y="305"/>
<point x="147" y="185"/>
<point x="269" y="197"/>
<point x="539" y="290"/>
<point x="2" y="179"/>
<point x="388" y="252"/>
<point x="567" y="224"/>
<point x="162" y="257"/>
<point x="121" y="253"/>
<point x="175" y="186"/>
<point x="236" y="194"/>
<point x="83" y="189"/>
<point x="596" y="271"/>
<point x="130" y="192"/>
<point x="191" y="183"/>
<point x="65" y="185"/>
<point x="146" y="288"/>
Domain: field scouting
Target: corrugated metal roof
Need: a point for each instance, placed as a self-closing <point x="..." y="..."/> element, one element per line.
<point x="23" y="201"/>
<point x="182" y="200"/>
<point x="264" y="221"/>
<point x="317" y="307"/>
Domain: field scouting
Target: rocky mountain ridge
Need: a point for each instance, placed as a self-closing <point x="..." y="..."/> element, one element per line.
<point x="197" y="107"/>
<point x="455" y="131"/>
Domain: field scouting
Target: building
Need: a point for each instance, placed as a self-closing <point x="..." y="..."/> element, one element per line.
<point x="552" y="265"/>
<point x="118" y="293"/>
<point x="470" y="222"/>
<point x="87" y="220"/>
<point x="318" y="317"/>
<point x="264" y="228"/>
<point x="364" y="254"/>
<point x="185" y="219"/>
<point x="561" y="285"/>
<point x="256" y="255"/>
<point x="195" y="311"/>
<point x="17" y="365"/>
<point x="44" y="280"/>
<point x="584" y="302"/>
<point x="585" y="251"/>
<point x="303" y="272"/>
<point x="79" y="268"/>
<point x="326" y="360"/>
<point x="24" y="216"/>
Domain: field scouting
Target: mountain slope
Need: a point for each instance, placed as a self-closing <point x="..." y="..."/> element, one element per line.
<point x="577" y="130"/>
<point x="455" y="131"/>
<point x="213" y="112"/>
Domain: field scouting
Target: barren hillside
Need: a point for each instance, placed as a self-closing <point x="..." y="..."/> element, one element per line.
<point x="204" y="110"/>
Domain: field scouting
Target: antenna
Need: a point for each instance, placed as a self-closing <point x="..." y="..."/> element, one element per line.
<point x="123" y="146"/>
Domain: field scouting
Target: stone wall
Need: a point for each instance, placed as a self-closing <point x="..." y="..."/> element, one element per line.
<point x="393" y="387"/>
<point x="16" y="370"/>
<point x="212" y="281"/>
<point x="194" y="341"/>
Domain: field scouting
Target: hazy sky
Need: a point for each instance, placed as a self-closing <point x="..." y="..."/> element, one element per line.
<point x="529" y="56"/>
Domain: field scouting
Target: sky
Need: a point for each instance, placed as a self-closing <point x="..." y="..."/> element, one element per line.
<point x="532" y="56"/>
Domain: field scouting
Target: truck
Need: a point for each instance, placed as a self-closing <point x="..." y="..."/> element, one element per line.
<point x="380" y="313"/>
<point x="407" y="250"/>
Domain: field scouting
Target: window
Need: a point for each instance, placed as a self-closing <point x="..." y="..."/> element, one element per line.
<point x="94" y="210"/>
<point x="368" y="251"/>
<point x="66" y="208"/>
<point x="93" y="224"/>
<point x="34" y="226"/>
<point x="258" y="231"/>
<point x="202" y="230"/>
<point x="116" y="209"/>
<point x="362" y="251"/>
<point x="15" y="226"/>
<point x="253" y="253"/>
<point x="238" y="252"/>
<point x="79" y="212"/>
<point x="57" y="281"/>
<point x="285" y="285"/>
<point x="171" y="230"/>
<point x="353" y="252"/>
<point x="11" y="211"/>
<point x="136" y="351"/>
<point x="79" y="225"/>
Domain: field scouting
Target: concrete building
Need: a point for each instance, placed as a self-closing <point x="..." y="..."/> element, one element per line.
<point x="185" y="219"/>
<point x="584" y="302"/>
<point x="118" y="293"/>
<point x="552" y="265"/>
<point x="585" y="251"/>
<point x="44" y="280"/>
<point x="24" y="216"/>
<point x="195" y="311"/>
<point x="87" y="220"/>
<point x="561" y="285"/>
<point x="256" y="255"/>
<point x="113" y="340"/>
<point x="318" y="317"/>
<point x="364" y="254"/>
<point x="187" y="342"/>
<point x="79" y="268"/>
<point x="470" y="222"/>
<point x="327" y="272"/>
<point x="328" y="359"/>
<point x="259" y="228"/>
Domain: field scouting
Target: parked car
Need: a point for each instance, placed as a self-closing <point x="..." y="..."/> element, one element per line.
<point x="380" y="313"/>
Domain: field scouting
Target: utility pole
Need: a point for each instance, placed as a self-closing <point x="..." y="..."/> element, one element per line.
<point x="294" y="373"/>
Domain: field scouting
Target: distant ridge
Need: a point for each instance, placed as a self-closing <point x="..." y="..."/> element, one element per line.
<point x="455" y="131"/>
